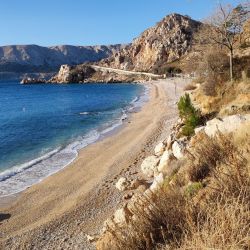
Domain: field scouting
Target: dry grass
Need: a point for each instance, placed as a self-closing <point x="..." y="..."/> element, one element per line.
<point x="222" y="225"/>
<point x="189" y="87"/>
<point x="213" y="97"/>
<point x="215" y="216"/>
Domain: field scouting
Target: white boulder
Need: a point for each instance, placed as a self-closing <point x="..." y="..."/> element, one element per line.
<point x="199" y="129"/>
<point x="165" y="160"/>
<point x="158" y="181"/>
<point x="149" y="165"/>
<point x="227" y="124"/>
<point x="122" y="184"/>
<point x="178" y="149"/>
<point x="159" y="149"/>
<point x="122" y="216"/>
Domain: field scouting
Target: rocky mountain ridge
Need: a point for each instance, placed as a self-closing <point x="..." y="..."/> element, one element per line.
<point x="168" y="41"/>
<point x="37" y="59"/>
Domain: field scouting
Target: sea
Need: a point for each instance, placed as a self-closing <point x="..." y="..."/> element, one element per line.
<point x="43" y="126"/>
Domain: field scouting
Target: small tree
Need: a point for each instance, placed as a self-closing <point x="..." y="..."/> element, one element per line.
<point x="224" y="28"/>
<point x="189" y="115"/>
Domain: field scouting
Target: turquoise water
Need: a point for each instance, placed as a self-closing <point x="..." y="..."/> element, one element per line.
<point x="43" y="126"/>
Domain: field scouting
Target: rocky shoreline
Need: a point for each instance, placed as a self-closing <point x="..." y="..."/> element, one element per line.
<point x="169" y="154"/>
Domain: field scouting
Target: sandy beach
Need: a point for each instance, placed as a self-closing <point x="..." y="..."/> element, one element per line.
<point x="59" y="211"/>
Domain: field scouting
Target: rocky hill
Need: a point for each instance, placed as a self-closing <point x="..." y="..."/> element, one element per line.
<point x="33" y="58"/>
<point x="169" y="40"/>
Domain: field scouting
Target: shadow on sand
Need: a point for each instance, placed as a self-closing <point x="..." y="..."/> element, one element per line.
<point x="4" y="217"/>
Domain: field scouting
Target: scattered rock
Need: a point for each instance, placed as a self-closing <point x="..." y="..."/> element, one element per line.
<point x="166" y="158"/>
<point x="91" y="239"/>
<point x="159" y="149"/>
<point x="121" y="216"/>
<point x="170" y="140"/>
<point x="136" y="183"/>
<point x="149" y="165"/>
<point x="158" y="181"/>
<point x="122" y="184"/>
<point x="178" y="148"/>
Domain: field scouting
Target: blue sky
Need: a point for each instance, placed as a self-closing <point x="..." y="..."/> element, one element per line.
<point x="89" y="22"/>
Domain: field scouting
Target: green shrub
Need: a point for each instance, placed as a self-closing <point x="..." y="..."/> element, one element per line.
<point x="193" y="188"/>
<point x="189" y="114"/>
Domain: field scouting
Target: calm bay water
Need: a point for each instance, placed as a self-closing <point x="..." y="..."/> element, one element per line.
<point x="43" y="126"/>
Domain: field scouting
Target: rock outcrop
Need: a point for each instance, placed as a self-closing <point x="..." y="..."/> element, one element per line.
<point x="168" y="41"/>
<point x="164" y="43"/>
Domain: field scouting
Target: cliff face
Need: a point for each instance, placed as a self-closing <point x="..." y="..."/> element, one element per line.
<point x="33" y="58"/>
<point x="164" y="43"/>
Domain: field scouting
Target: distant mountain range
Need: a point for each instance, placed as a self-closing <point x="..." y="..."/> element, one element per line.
<point x="16" y="60"/>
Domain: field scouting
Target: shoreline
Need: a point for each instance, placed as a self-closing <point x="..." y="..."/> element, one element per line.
<point x="79" y="198"/>
<point x="93" y="136"/>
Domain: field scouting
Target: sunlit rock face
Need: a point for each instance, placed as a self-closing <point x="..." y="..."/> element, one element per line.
<point x="167" y="41"/>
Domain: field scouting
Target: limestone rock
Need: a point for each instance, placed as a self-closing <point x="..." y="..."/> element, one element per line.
<point x="227" y="124"/>
<point x="169" y="141"/>
<point x="199" y="129"/>
<point x="136" y="183"/>
<point x="158" y="181"/>
<point x="122" y="215"/>
<point x="122" y="184"/>
<point x="165" y="160"/>
<point x="159" y="149"/>
<point x="178" y="149"/>
<point x="169" y="40"/>
<point x="91" y="238"/>
<point x="149" y="165"/>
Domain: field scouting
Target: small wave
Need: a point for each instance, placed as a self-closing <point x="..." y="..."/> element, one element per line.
<point x="18" y="169"/>
<point x="20" y="177"/>
<point x="23" y="176"/>
<point x="83" y="113"/>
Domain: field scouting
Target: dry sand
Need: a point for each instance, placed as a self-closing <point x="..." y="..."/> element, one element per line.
<point x="59" y="211"/>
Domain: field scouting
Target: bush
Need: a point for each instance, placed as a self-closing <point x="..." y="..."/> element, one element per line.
<point x="189" y="114"/>
<point x="193" y="188"/>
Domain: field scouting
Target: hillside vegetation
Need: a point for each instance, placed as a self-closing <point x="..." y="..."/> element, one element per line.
<point x="199" y="197"/>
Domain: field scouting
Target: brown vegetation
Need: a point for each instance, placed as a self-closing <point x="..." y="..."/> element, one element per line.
<point x="211" y="213"/>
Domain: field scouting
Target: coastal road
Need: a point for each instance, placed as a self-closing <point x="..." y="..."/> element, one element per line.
<point x="125" y="72"/>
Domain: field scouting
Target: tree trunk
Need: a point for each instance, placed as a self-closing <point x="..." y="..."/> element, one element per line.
<point x="231" y="65"/>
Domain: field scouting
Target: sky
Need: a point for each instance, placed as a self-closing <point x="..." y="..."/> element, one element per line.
<point x="89" y="22"/>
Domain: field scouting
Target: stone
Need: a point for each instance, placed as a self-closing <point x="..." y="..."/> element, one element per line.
<point x="166" y="158"/>
<point x="226" y="124"/>
<point x="122" y="184"/>
<point x="109" y="223"/>
<point x="169" y="140"/>
<point x="149" y="165"/>
<point x="159" y="149"/>
<point x="199" y="129"/>
<point x="128" y="196"/>
<point x="178" y="149"/>
<point x="91" y="239"/>
<point x="158" y="181"/>
<point x="136" y="183"/>
<point x="122" y="215"/>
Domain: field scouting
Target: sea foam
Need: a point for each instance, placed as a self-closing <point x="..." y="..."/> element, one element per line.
<point x="20" y="177"/>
